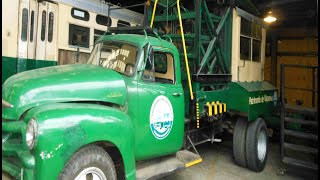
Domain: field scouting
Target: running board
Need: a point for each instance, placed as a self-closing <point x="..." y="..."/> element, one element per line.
<point x="163" y="166"/>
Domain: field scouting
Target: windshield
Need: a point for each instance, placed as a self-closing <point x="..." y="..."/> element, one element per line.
<point x="118" y="56"/>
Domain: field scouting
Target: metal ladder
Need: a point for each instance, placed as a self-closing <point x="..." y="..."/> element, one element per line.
<point x="299" y="127"/>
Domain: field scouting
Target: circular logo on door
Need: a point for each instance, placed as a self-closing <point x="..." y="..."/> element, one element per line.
<point x="161" y="117"/>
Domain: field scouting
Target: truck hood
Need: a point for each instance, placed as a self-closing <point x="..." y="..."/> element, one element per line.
<point x="65" y="83"/>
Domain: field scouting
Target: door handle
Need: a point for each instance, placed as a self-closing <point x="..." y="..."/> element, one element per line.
<point x="176" y="94"/>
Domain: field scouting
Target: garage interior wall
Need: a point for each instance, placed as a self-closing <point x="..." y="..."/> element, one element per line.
<point x="295" y="46"/>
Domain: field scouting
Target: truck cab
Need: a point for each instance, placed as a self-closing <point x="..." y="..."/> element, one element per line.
<point x="124" y="106"/>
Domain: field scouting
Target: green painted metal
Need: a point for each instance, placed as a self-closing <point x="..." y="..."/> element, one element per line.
<point x="76" y="105"/>
<point x="65" y="83"/>
<point x="255" y="98"/>
<point x="13" y="65"/>
<point x="208" y="38"/>
<point x="237" y="96"/>
<point x="9" y="67"/>
<point x="65" y="127"/>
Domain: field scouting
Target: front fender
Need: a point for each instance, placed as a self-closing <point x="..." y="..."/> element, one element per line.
<point x="65" y="127"/>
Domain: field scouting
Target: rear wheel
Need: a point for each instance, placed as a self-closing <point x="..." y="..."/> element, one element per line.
<point x="92" y="163"/>
<point x="257" y="145"/>
<point x="239" y="141"/>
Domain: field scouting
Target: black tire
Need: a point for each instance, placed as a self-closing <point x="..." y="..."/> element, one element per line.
<point x="239" y="141"/>
<point x="90" y="157"/>
<point x="257" y="136"/>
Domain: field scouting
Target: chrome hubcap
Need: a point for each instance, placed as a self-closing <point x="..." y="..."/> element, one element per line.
<point x="262" y="145"/>
<point x="91" y="173"/>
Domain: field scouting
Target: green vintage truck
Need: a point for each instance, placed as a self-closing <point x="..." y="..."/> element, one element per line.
<point x="134" y="111"/>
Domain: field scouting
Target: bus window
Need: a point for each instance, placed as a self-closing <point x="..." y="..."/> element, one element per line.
<point x="50" y="27"/>
<point x="31" y="26"/>
<point x="97" y="35"/>
<point x="103" y="20"/>
<point x="79" y="36"/>
<point x="24" y="26"/>
<point x="80" y="14"/>
<point x="122" y="24"/>
<point x="43" y="25"/>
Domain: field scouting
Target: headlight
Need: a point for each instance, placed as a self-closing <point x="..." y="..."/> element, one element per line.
<point x="31" y="133"/>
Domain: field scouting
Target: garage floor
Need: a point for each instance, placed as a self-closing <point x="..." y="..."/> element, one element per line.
<point x="218" y="164"/>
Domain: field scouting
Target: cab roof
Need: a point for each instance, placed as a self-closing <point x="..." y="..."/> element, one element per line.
<point x="139" y="40"/>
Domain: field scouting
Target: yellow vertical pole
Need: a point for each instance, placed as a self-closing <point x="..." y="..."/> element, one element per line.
<point x="154" y="11"/>
<point x="184" y="50"/>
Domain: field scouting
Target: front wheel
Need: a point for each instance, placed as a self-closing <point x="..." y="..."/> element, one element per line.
<point x="90" y="162"/>
<point x="256" y="145"/>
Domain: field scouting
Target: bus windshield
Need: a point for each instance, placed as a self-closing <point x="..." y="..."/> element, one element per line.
<point x="119" y="56"/>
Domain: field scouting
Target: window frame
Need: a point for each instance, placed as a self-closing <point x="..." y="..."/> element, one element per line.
<point x="31" y="26"/>
<point x="43" y="25"/>
<point x="123" y="23"/>
<point x="109" y="20"/>
<point x="98" y="35"/>
<point x="251" y="38"/>
<point x="154" y="71"/>
<point x="52" y="28"/>
<point x="70" y="37"/>
<point x="86" y="14"/>
<point x="138" y="55"/>
<point x="24" y="24"/>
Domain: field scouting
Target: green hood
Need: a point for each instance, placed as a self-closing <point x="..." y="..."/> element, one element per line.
<point x="67" y="83"/>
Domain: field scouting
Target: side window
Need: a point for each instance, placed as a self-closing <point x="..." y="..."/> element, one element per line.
<point x="160" y="68"/>
<point x="43" y="25"/>
<point x="103" y="20"/>
<point x="245" y="48"/>
<point x="80" y="14"/>
<point x="50" y="27"/>
<point x="250" y="41"/>
<point x="97" y="34"/>
<point x="24" y="25"/>
<point x="79" y="36"/>
<point x="123" y="24"/>
<point x="164" y="68"/>
<point x="31" y="26"/>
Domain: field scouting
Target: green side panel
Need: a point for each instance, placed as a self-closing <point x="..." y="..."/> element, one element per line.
<point x="254" y="98"/>
<point x="9" y="67"/>
<point x="13" y="65"/>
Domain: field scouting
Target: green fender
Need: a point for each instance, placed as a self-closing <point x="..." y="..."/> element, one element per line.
<point x="63" y="128"/>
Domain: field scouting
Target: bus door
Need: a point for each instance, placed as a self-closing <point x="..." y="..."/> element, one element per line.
<point x="22" y="53"/>
<point x="46" y="47"/>
<point x="33" y="14"/>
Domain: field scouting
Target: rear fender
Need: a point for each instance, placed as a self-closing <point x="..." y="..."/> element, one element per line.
<point x="63" y="128"/>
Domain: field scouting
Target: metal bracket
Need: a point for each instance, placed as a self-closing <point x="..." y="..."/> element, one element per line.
<point x="194" y="148"/>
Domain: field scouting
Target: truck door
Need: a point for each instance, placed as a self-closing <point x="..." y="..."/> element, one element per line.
<point x="160" y="125"/>
<point x="46" y="48"/>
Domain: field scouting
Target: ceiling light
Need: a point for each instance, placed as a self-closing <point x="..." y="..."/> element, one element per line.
<point x="270" y="18"/>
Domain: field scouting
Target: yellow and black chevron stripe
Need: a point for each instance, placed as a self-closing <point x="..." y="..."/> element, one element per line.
<point x="215" y="108"/>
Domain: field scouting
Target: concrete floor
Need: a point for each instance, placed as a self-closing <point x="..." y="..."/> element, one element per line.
<point x="218" y="164"/>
